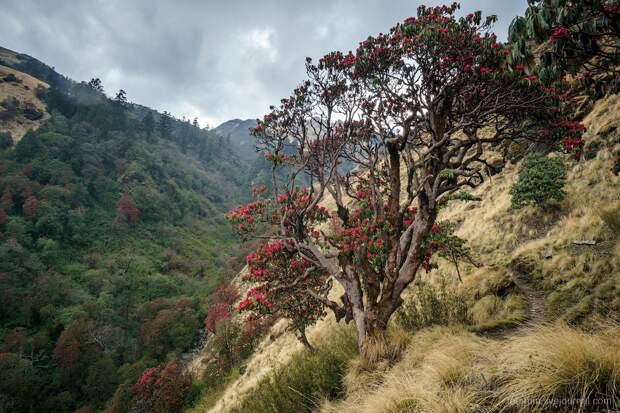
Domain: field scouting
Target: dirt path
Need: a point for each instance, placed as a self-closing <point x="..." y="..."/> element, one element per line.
<point x="535" y="297"/>
<point x="537" y="307"/>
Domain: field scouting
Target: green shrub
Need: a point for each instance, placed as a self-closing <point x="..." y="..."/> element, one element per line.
<point x="306" y="380"/>
<point x="429" y="305"/>
<point x="540" y="182"/>
<point x="6" y="141"/>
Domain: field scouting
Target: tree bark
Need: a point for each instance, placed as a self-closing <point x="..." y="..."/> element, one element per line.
<point x="303" y="338"/>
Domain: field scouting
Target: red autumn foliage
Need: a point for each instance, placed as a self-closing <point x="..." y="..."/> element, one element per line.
<point x="126" y="210"/>
<point x="2" y="216"/>
<point x="226" y="296"/>
<point x="216" y="313"/>
<point x="161" y="389"/>
<point x="227" y="293"/>
<point x="7" y="198"/>
<point x="76" y="349"/>
<point x="27" y="170"/>
<point x="30" y="206"/>
<point x="162" y="322"/>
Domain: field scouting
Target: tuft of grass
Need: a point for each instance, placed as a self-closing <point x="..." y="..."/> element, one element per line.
<point x="432" y="305"/>
<point x="611" y="217"/>
<point x="544" y="369"/>
<point x="439" y="372"/>
<point x="560" y="368"/>
<point x="306" y="380"/>
<point x="380" y="355"/>
<point x="492" y="312"/>
<point x="205" y="395"/>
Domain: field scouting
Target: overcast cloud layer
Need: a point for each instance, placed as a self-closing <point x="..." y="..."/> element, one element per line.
<point x="216" y="60"/>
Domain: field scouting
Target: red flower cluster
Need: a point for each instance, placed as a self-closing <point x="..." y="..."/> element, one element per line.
<point x="244" y="217"/>
<point x="365" y="238"/>
<point x="277" y="158"/>
<point x="280" y="275"/>
<point x="559" y="32"/>
<point x="226" y="296"/>
<point x="161" y="388"/>
<point x="300" y="200"/>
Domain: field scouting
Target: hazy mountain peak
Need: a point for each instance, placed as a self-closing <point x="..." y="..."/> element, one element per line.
<point x="238" y="131"/>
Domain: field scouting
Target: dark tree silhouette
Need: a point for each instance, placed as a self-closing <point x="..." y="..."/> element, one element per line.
<point x="95" y="84"/>
<point x="149" y="124"/>
<point x="121" y="98"/>
<point x="165" y="125"/>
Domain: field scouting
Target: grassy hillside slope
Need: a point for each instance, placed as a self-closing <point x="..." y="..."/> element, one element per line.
<point x="19" y="94"/>
<point x="533" y="329"/>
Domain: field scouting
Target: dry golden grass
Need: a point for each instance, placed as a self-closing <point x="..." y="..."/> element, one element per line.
<point x="437" y="373"/>
<point x="276" y="350"/>
<point x="452" y="370"/>
<point x="491" y="311"/>
<point x="551" y="365"/>
<point x="382" y="353"/>
<point x="24" y="92"/>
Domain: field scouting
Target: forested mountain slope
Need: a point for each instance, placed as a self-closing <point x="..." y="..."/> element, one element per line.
<point x="112" y="235"/>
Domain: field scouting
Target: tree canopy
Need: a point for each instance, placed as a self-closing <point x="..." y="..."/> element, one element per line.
<point x="413" y="115"/>
<point x="581" y="38"/>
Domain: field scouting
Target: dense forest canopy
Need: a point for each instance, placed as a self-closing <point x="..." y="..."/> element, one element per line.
<point x="112" y="235"/>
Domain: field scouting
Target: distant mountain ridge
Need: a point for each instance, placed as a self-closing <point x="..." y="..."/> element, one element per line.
<point x="237" y="132"/>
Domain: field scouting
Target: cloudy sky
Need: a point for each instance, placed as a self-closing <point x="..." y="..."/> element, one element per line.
<point x="214" y="59"/>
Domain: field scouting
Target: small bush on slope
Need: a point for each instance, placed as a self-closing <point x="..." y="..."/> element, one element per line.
<point x="306" y="380"/>
<point x="540" y="182"/>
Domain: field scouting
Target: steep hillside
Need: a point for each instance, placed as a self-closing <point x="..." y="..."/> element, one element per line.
<point x="507" y="345"/>
<point x="21" y="104"/>
<point x="112" y="236"/>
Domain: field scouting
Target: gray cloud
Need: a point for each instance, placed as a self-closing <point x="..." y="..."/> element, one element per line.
<point x="215" y="59"/>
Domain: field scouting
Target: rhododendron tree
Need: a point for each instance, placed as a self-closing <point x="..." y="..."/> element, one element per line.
<point x="226" y="296"/>
<point x="161" y="389"/>
<point x="30" y="206"/>
<point x="126" y="210"/>
<point x="216" y="313"/>
<point x="574" y="36"/>
<point x="284" y="276"/>
<point x="6" y="200"/>
<point x="390" y="134"/>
